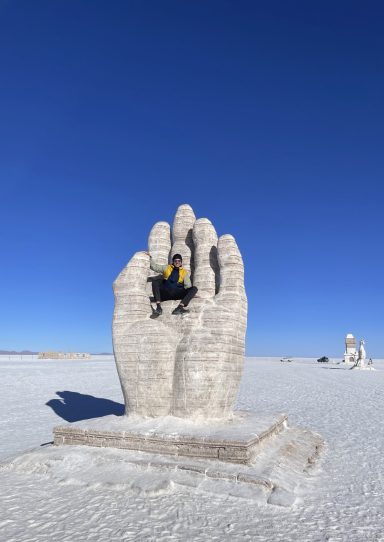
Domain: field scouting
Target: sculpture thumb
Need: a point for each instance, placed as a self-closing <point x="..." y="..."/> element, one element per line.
<point x="131" y="299"/>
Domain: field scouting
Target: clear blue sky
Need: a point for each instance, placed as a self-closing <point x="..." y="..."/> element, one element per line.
<point x="266" y="117"/>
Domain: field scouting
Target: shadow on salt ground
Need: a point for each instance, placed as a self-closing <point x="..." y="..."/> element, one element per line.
<point x="74" y="406"/>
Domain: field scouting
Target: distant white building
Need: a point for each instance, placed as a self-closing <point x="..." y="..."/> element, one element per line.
<point x="64" y="355"/>
<point x="350" y="354"/>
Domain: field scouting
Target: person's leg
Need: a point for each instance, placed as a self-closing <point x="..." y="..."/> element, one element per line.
<point x="156" y="290"/>
<point x="185" y="297"/>
<point x="191" y="292"/>
<point x="165" y="294"/>
<point x="160" y="294"/>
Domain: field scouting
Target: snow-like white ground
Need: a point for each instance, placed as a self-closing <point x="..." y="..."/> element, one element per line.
<point x="343" y="502"/>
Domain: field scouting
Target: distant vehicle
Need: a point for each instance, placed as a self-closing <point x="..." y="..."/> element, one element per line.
<point x="286" y="359"/>
<point x="323" y="359"/>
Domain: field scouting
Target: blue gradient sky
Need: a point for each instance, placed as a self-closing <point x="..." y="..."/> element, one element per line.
<point x="267" y="117"/>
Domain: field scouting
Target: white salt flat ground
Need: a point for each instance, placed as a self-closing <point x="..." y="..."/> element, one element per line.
<point x="344" y="502"/>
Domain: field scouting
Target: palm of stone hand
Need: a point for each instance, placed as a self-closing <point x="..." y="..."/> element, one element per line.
<point x="182" y="365"/>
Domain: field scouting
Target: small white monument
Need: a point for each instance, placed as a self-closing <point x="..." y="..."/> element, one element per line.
<point x="360" y="362"/>
<point x="350" y="354"/>
<point x="361" y="358"/>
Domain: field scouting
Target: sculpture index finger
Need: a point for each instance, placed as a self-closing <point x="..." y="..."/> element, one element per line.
<point x="159" y="247"/>
<point x="159" y="242"/>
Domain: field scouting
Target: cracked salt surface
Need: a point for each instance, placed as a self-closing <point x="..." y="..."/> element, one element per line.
<point x="105" y="500"/>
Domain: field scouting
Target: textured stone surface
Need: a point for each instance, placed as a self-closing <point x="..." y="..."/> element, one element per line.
<point x="188" y="365"/>
<point x="236" y="440"/>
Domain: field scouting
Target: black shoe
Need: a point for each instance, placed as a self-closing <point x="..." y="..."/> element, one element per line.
<point x="180" y="310"/>
<point x="158" y="311"/>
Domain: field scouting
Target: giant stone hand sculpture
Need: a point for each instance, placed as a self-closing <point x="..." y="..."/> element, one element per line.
<point x="188" y="365"/>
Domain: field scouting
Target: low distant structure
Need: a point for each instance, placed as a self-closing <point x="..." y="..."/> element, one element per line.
<point x="350" y="354"/>
<point x="64" y="355"/>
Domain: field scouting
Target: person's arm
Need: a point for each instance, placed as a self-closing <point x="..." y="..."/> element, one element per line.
<point x="187" y="281"/>
<point x="156" y="267"/>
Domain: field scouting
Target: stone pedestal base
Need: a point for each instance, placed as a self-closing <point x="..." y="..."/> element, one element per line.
<point x="250" y="456"/>
<point x="236" y="440"/>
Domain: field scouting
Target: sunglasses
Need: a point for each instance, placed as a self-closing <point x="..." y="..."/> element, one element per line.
<point x="177" y="261"/>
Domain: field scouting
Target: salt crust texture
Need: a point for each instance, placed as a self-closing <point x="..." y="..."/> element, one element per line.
<point x="102" y="494"/>
<point x="191" y="365"/>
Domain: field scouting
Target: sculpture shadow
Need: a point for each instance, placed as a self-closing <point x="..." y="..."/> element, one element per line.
<point x="73" y="406"/>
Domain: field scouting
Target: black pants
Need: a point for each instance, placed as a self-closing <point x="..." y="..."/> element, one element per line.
<point x="162" y="293"/>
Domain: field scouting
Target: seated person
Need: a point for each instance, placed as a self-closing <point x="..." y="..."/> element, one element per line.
<point x="175" y="284"/>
